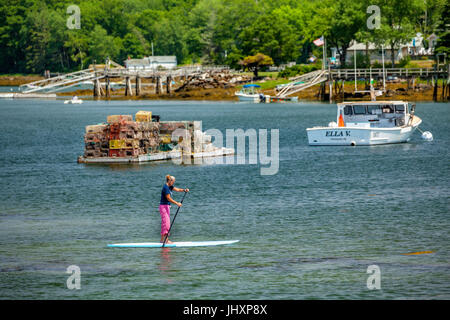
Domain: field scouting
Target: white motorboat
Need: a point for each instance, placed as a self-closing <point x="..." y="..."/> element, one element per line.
<point x="250" y="93"/>
<point x="367" y="123"/>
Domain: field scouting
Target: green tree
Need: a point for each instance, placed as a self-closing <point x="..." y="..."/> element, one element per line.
<point x="273" y="36"/>
<point x="338" y="21"/>
<point x="12" y="34"/>
<point x="102" y="45"/>
<point x="433" y="11"/>
<point x="76" y="46"/>
<point x="231" y="20"/>
<point x="134" y="45"/>
<point x="443" y="32"/>
<point x="399" y="20"/>
<point x="254" y="63"/>
<point x="37" y="35"/>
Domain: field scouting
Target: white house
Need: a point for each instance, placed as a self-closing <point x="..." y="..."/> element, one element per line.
<point x="151" y="63"/>
<point x="413" y="47"/>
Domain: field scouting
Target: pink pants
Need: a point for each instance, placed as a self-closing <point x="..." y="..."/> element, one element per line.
<point x="164" y="211"/>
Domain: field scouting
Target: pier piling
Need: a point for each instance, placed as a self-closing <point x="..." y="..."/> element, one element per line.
<point x="107" y="87"/>
<point x="158" y="85"/>
<point x="330" y="96"/>
<point x="97" y="88"/>
<point x="138" y="86"/>
<point x="168" y="84"/>
<point x="128" y="90"/>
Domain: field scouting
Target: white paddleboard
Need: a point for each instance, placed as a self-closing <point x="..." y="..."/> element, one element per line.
<point x="172" y="245"/>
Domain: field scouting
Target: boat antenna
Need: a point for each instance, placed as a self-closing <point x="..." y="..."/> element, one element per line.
<point x="384" y="71"/>
<point x="354" y="58"/>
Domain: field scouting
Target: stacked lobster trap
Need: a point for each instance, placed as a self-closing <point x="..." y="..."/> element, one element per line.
<point x="96" y="141"/>
<point x="172" y="133"/>
<point x="123" y="137"/>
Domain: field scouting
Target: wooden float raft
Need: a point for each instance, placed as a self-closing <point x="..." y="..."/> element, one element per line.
<point x="159" y="156"/>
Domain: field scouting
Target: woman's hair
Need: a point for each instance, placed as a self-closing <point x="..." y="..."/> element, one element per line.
<point x="169" y="177"/>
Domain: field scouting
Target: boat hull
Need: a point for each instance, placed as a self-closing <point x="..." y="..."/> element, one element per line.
<point x="73" y="101"/>
<point x="352" y="136"/>
<point x="248" y="97"/>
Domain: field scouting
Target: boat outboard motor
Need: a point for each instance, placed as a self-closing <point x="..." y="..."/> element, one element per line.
<point x="262" y="98"/>
<point x="413" y="109"/>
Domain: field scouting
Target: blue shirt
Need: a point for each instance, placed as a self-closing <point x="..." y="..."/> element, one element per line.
<point x="165" y="191"/>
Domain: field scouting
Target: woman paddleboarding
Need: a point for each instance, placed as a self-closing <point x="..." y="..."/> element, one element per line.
<point x="164" y="206"/>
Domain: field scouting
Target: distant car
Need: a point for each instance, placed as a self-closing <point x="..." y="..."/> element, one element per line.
<point x="392" y="79"/>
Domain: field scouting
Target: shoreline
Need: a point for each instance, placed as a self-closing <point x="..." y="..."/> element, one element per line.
<point x="395" y="91"/>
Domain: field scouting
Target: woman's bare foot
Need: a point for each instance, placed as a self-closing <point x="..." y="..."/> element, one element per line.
<point x="167" y="241"/>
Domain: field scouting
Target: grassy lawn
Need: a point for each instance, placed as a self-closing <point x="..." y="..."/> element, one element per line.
<point x="422" y="63"/>
<point x="272" y="74"/>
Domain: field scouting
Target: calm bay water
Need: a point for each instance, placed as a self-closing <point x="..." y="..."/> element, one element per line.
<point x="308" y="232"/>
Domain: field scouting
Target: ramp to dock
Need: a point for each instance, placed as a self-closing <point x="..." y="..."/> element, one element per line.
<point x="60" y="82"/>
<point x="302" y="82"/>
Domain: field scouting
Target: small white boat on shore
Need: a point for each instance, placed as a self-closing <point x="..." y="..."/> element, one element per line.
<point x="367" y="123"/>
<point x="74" y="100"/>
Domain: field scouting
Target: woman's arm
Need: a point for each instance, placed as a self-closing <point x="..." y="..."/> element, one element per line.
<point x="180" y="190"/>
<point x="169" y="198"/>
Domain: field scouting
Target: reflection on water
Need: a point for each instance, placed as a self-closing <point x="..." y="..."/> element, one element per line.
<point x="9" y="89"/>
<point x="165" y="263"/>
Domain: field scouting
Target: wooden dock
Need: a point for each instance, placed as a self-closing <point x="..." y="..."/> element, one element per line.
<point x="424" y="73"/>
<point x="336" y="78"/>
<point x="160" y="81"/>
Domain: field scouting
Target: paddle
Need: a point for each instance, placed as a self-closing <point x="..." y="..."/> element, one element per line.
<point x="165" y="239"/>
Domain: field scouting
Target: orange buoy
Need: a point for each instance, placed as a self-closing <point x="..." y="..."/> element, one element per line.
<point x="341" y="121"/>
<point x="415" y="253"/>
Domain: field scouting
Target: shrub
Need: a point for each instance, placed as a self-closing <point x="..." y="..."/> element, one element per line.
<point x="403" y="62"/>
<point x="411" y="65"/>
<point x="298" y="69"/>
<point x="377" y="64"/>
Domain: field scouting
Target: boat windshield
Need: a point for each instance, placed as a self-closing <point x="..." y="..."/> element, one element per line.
<point x="374" y="109"/>
<point x="250" y="88"/>
<point x="388" y="109"/>
<point x="359" y="109"/>
<point x="400" y="108"/>
<point x="348" y="110"/>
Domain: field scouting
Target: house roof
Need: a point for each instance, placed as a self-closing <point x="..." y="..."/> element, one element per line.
<point x="362" y="46"/>
<point x="162" y="59"/>
<point x="148" y="61"/>
<point x="137" y="62"/>
<point x="372" y="46"/>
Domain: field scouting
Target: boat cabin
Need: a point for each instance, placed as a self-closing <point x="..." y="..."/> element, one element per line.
<point x="373" y="114"/>
<point x="250" y="89"/>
